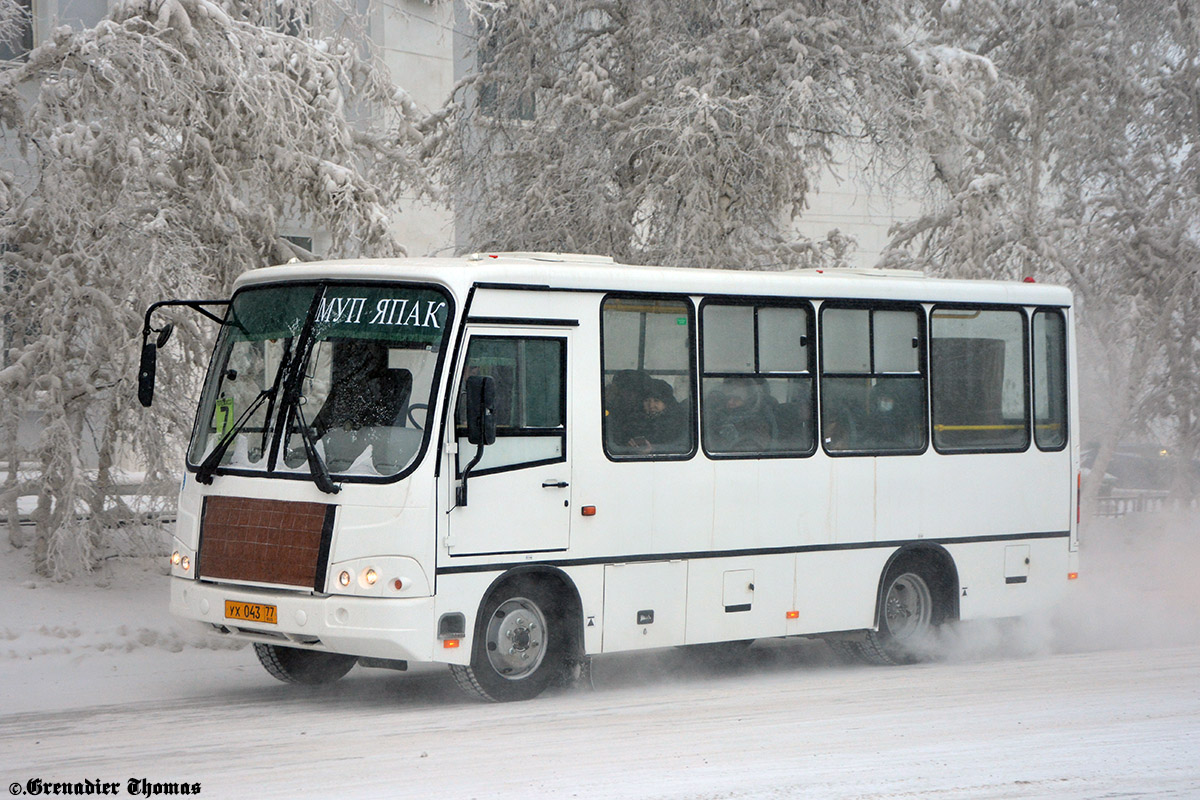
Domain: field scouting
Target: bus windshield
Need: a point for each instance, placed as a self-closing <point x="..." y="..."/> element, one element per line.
<point x="351" y="368"/>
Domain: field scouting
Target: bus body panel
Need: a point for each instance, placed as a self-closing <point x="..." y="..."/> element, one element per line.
<point x="708" y="548"/>
<point x="396" y="629"/>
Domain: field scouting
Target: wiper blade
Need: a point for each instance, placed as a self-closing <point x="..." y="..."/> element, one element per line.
<point x="204" y="472"/>
<point x="316" y="464"/>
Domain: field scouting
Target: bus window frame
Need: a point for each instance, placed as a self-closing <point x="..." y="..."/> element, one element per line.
<point x="922" y="311"/>
<point x="1026" y="321"/>
<point x="756" y="302"/>
<point x="1061" y="313"/>
<point x="562" y="432"/>
<point x="693" y="373"/>
<point x="427" y="441"/>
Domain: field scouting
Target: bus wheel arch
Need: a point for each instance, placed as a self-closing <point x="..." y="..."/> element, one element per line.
<point x="918" y="592"/>
<point x="528" y="631"/>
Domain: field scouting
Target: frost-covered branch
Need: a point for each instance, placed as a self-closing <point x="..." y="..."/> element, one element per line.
<point x="167" y="149"/>
<point x="684" y="134"/>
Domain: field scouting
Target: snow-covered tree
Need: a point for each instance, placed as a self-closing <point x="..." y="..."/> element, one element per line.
<point x="1083" y="169"/>
<point x="13" y="17"/>
<point x="685" y="133"/>
<point x="165" y="151"/>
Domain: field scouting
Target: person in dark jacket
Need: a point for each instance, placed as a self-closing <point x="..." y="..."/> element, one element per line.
<point x="661" y="425"/>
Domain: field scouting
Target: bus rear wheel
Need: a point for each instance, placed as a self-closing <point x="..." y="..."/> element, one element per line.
<point x="520" y="645"/>
<point x="910" y="612"/>
<point x="309" y="667"/>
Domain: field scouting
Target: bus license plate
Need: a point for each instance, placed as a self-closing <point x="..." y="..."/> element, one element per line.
<point x="251" y="612"/>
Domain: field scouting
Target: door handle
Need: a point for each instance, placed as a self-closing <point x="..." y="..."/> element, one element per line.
<point x="555" y="484"/>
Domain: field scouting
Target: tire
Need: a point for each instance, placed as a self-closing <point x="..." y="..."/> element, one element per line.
<point x="308" y="667"/>
<point x="910" y="612"/>
<point x="846" y="651"/>
<point x="520" y="644"/>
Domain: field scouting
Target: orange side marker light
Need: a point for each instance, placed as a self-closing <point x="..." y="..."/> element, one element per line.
<point x="588" y="511"/>
<point x="1071" y="576"/>
<point x="793" y="615"/>
<point x="450" y="644"/>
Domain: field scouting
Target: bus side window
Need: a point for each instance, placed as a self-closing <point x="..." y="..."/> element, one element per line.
<point x="646" y="362"/>
<point x="530" y="376"/>
<point x="757" y="387"/>
<point x="1049" y="379"/>
<point x="872" y="380"/>
<point x="978" y="379"/>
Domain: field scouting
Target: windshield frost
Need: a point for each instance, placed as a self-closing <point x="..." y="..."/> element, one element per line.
<point x="369" y="361"/>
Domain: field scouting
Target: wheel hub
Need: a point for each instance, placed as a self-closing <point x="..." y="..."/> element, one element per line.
<point x="516" y="638"/>
<point x="908" y="607"/>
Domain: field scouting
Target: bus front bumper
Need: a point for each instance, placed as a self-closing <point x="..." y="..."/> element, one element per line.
<point x="375" y="627"/>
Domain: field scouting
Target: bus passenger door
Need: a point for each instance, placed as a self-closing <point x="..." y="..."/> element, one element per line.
<point x="519" y="492"/>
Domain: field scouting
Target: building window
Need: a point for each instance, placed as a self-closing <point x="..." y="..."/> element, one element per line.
<point x="17" y="39"/>
<point x="301" y="241"/>
<point x="503" y="99"/>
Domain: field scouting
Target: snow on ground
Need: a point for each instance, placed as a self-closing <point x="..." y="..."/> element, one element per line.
<point x="97" y="682"/>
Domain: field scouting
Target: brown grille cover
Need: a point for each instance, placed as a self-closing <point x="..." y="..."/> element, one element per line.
<point x="265" y="541"/>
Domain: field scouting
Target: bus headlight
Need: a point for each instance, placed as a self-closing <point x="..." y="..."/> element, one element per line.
<point x="378" y="576"/>
<point x="181" y="561"/>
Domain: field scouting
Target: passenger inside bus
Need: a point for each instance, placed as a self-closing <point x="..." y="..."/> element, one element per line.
<point x="622" y="400"/>
<point x="644" y="417"/>
<point x="742" y="417"/>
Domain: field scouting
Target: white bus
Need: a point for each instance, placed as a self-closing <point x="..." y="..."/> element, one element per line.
<point x="509" y="463"/>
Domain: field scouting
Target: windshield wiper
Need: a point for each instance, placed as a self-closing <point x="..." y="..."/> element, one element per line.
<point x="316" y="464"/>
<point x="204" y="472"/>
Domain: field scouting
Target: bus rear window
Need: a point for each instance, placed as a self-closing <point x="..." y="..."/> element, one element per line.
<point x="1050" y="379"/>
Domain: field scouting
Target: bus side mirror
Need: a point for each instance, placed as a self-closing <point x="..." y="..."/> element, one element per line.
<point x="481" y="409"/>
<point x="147" y="369"/>
<point x="146" y="373"/>
<point x="481" y="425"/>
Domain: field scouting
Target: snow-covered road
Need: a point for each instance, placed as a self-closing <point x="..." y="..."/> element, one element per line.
<point x="96" y="683"/>
<point x="1086" y="725"/>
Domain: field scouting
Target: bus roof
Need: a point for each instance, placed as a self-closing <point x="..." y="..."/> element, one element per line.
<point x="570" y="272"/>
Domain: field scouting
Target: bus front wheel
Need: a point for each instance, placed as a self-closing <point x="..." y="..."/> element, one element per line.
<point x="309" y="667"/>
<point x="520" y="645"/>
